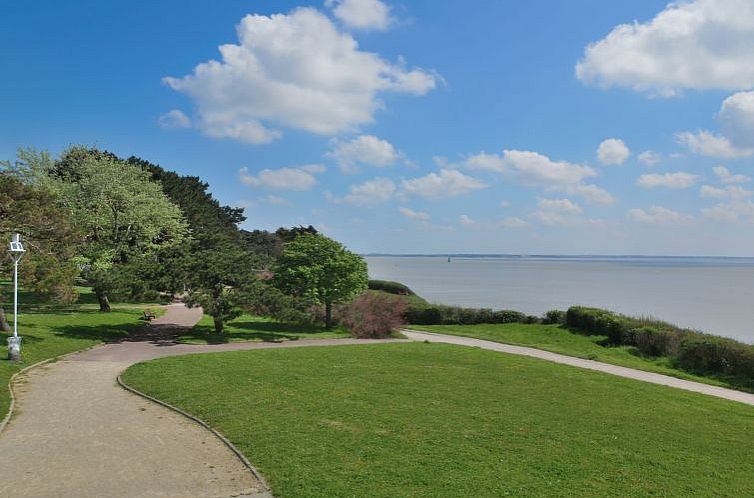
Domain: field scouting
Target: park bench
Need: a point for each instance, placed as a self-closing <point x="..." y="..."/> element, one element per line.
<point x="149" y="315"/>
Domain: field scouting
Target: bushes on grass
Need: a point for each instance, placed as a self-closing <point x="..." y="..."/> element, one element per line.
<point x="690" y="350"/>
<point x="373" y="315"/>
<point x="390" y="287"/>
<point x="456" y="315"/>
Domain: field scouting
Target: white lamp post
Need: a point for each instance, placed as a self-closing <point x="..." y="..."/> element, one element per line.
<point x="14" y="343"/>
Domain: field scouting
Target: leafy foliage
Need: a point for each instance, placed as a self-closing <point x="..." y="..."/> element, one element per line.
<point x="320" y="269"/>
<point x="373" y="315"/>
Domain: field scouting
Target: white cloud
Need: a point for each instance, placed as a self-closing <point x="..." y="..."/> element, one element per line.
<point x="505" y="204"/>
<point x="729" y="192"/>
<point x="277" y="201"/>
<point x="298" y="179"/>
<point x="702" y="44"/>
<point x="465" y="220"/>
<point x="414" y="215"/>
<point x="558" y="212"/>
<point x="361" y="14"/>
<point x="369" y="193"/>
<point x="512" y="222"/>
<point x="448" y="183"/>
<point x="564" y="206"/>
<point x="613" y="151"/>
<point x="650" y="157"/>
<point x="534" y="169"/>
<point x="296" y="70"/>
<point x="707" y="143"/>
<point x="485" y="162"/>
<point x="174" y="119"/>
<point x="731" y="212"/>
<point x="736" y="118"/>
<point x="726" y="177"/>
<point x="658" y="215"/>
<point x="364" y="149"/>
<point x="313" y="168"/>
<point x="677" y="180"/>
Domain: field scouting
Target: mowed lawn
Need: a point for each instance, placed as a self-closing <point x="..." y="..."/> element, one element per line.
<point x="557" y="339"/>
<point x="435" y="420"/>
<point x="255" y="328"/>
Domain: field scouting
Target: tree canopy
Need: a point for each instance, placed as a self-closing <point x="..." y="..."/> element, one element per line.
<point x="321" y="269"/>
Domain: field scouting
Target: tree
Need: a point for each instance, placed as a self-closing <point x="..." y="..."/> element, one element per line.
<point x="321" y="269"/>
<point x="120" y="211"/>
<point x="32" y="211"/>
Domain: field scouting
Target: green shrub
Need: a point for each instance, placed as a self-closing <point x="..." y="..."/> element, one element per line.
<point x="390" y="287"/>
<point x="554" y="317"/>
<point x="692" y="351"/>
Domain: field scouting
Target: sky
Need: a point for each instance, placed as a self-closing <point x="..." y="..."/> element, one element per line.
<point x="427" y="126"/>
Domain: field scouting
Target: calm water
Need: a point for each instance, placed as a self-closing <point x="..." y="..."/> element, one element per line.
<point x="715" y="295"/>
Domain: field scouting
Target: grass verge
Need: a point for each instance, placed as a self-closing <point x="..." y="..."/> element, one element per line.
<point x="254" y="328"/>
<point x="557" y="339"/>
<point x="435" y="420"/>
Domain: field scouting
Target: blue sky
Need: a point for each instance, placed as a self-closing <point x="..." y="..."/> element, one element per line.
<point x="559" y="127"/>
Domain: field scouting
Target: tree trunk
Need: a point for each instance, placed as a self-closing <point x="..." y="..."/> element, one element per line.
<point x="3" y="322"/>
<point x="328" y="315"/>
<point x="104" y="302"/>
<point x="219" y="325"/>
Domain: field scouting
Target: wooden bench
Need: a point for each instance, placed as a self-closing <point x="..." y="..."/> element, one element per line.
<point x="149" y="315"/>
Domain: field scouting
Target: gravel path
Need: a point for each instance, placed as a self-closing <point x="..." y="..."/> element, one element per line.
<point x="629" y="373"/>
<point x="75" y="432"/>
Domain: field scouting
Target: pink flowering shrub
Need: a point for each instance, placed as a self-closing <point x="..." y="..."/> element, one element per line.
<point x="373" y="315"/>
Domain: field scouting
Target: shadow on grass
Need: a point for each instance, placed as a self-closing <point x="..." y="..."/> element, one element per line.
<point x="104" y="333"/>
<point x="265" y="331"/>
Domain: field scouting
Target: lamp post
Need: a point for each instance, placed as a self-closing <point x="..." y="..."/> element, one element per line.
<point x="14" y="343"/>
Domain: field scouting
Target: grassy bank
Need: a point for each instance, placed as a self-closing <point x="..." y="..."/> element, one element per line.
<point x="254" y="328"/>
<point x="557" y="339"/>
<point x="434" y="420"/>
<point x="50" y="330"/>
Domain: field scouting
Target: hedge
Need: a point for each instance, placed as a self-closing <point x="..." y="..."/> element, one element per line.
<point x="690" y="350"/>
<point x="455" y="315"/>
<point x="390" y="287"/>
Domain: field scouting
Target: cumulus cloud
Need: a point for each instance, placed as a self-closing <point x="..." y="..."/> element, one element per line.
<point x="174" y="119"/>
<point x="650" y="158"/>
<point x="364" y="149"/>
<point x="612" y="151"/>
<point x="414" y="215"/>
<point x="361" y="14"/>
<point x="447" y="183"/>
<point x="557" y="212"/>
<point x="736" y="118"/>
<point x="512" y="222"/>
<point x="369" y="193"/>
<point x="466" y="220"/>
<point x="729" y="192"/>
<point x="535" y="169"/>
<point x="298" y="179"/>
<point x="276" y="201"/>
<point x="295" y="70"/>
<point x="726" y="177"/>
<point x="677" y="180"/>
<point x="702" y="44"/>
<point x="731" y="212"/>
<point x="706" y="143"/>
<point x="658" y="215"/>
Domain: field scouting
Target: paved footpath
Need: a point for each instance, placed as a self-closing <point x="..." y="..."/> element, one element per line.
<point x="75" y="432"/>
<point x="629" y="373"/>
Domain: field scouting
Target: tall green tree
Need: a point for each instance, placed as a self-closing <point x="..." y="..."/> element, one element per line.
<point x="32" y="211"/>
<point x="322" y="270"/>
<point x="120" y="211"/>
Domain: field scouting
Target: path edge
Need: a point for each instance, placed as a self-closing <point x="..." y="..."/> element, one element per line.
<point x="12" y="379"/>
<point x="204" y="424"/>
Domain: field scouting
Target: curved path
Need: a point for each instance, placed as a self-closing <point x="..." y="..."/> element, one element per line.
<point x="630" y="373"/>
<point x="75" y="432"/>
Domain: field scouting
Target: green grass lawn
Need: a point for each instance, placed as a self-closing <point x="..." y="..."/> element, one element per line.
<point x="254" y="328"/>
<point x="50" y="330"/>
<point x="435" y="420"/>
<point x="557" y="339"/>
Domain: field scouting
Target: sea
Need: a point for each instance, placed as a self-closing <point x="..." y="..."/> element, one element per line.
<point x="710" y="294"/>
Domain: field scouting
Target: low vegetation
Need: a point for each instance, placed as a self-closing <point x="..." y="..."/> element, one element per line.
<point x="433" y="420"/>
<point x="689" y="350"/>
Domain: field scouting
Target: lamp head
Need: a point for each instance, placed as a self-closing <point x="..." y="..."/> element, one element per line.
<point x="16" y="247"/>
